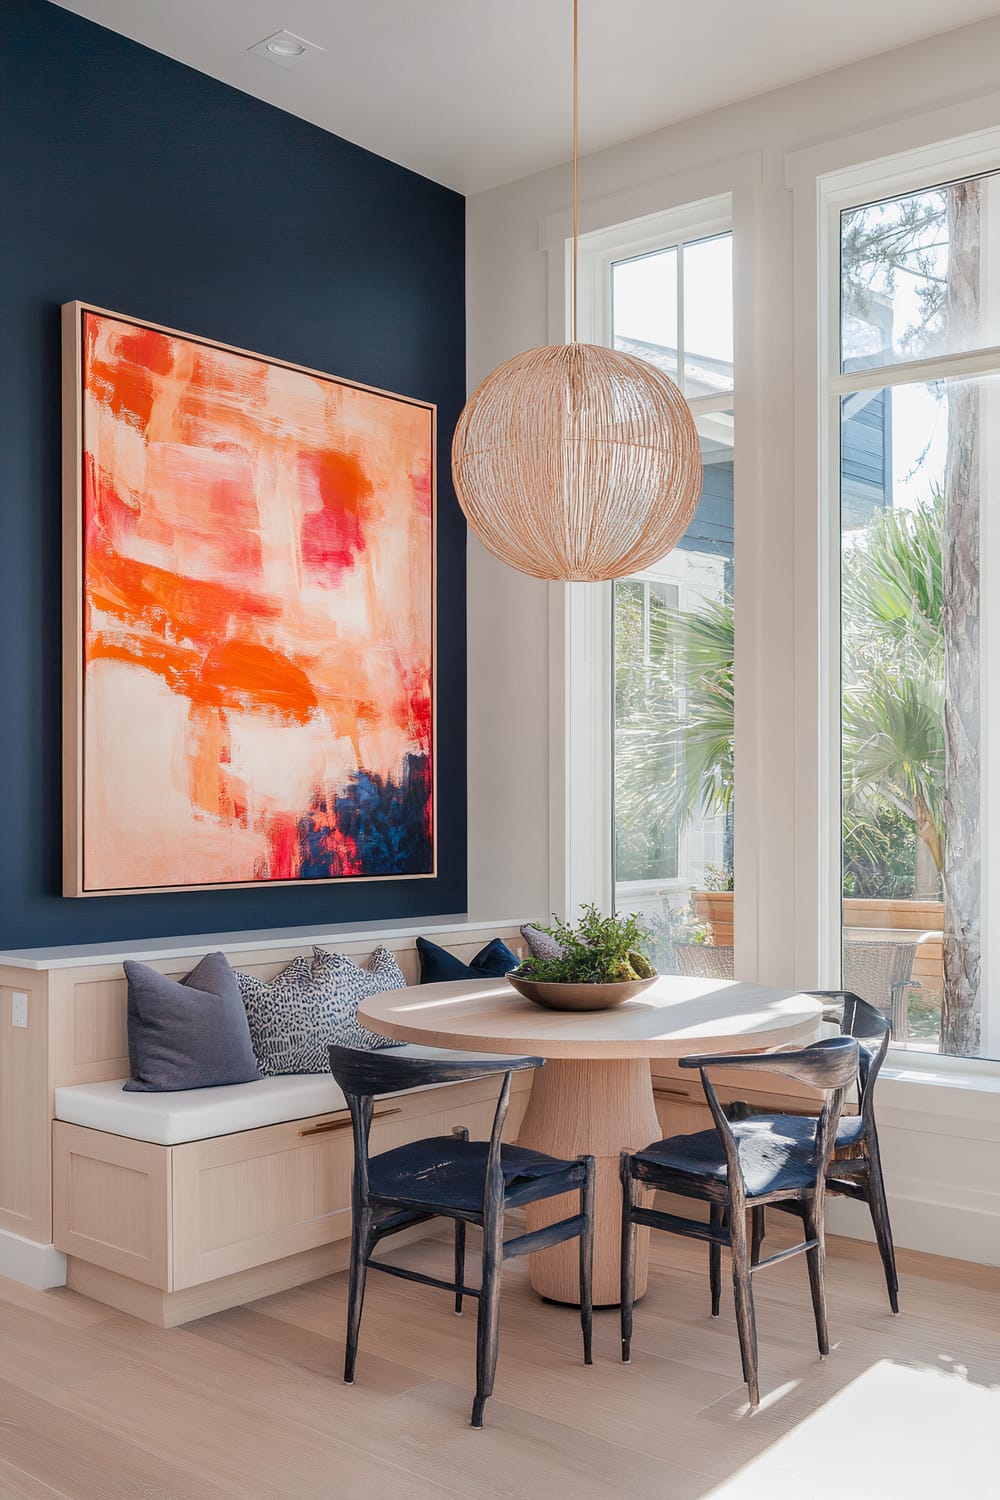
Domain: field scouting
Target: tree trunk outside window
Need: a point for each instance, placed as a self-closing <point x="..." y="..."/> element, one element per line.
<point x="961" y="586"/>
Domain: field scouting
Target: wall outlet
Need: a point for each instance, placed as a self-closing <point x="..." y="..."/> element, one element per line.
<point x="19" y="1007"/>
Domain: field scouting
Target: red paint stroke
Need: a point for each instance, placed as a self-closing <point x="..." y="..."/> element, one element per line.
<point x="233" y="519"/>
<point x="325" y="845"/>
<point x="420" y="702"/>
<point x="109" y="517"/>
<point x="422" y="491"/>
<point x="283" y="841"/>
<point x="333" y="536"/>
<point x="146" y="348"/>
<point x="126" y="381"/>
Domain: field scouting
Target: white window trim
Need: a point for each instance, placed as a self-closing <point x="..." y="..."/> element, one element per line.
<point x="940" y="146"/>
<point x="588" y="652"/>
<point x="717" y="198"/>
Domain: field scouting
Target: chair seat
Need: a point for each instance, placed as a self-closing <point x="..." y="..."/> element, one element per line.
<point x="776" y="1154"/>
<point x="850" y="1128"/>
<point x="444" y="1171"/>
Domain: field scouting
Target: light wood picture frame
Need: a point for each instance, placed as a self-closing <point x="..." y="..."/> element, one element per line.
<point x="249" y="618"/>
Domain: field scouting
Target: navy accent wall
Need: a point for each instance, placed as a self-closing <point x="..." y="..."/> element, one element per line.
<point x="133" y="182"/>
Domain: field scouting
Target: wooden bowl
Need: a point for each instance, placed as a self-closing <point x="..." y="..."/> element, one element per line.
<point x="554" y="996"/>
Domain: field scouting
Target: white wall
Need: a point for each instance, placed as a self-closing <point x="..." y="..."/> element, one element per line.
<point x="939" y="1142"/>
<point x="507" y="283"/>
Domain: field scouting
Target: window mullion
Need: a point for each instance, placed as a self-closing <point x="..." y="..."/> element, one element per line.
<point x="918" y="372"/>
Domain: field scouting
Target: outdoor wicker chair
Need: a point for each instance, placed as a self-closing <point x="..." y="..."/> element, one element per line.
<point x="704" y="960"/>
<point x="881" y="973"/>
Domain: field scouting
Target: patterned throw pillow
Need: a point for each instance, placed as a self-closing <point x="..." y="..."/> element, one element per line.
<point x="381" y="972"/>
<point x="540" y="944"/>
<point x="295" y="1016"/>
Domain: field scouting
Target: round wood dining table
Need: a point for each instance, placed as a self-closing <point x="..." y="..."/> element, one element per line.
<point x="595" y="1095"/>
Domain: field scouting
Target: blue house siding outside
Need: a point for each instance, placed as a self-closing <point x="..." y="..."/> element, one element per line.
<point x="866" y="478"/>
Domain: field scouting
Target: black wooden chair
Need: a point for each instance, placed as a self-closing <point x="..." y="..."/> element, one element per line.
<point x="472" y="1182"/>
<point x="742" y="1164"/>
<point x="856" y="1169"/>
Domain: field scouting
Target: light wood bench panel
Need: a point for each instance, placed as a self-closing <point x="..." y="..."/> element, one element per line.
<point x="242" y="1200"/>
<point x="177" y="1217"/>
<point x="25" y="1172"/>
<point x="112" y="1202"/>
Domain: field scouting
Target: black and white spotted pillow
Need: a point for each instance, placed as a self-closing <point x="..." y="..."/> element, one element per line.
<point x="381" y="972"/>
<point x="295" y="1016"/>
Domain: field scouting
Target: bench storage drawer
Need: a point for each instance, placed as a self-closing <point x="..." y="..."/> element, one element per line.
<point x="217" y="1211"/>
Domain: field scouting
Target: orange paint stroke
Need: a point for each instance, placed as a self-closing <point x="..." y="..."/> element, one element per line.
<point x="247" y="675"/>
<point x="127" y="382"/>
<point x="141" y="595"/>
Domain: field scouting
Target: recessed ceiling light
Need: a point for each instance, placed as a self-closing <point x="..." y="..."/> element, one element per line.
<point x="284" y="48"/>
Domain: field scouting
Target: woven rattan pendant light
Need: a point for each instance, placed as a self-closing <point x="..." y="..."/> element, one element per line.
<point x="576" y="462"/>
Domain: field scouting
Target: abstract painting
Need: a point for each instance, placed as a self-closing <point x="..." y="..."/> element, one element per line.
<point x="250" y="617"/>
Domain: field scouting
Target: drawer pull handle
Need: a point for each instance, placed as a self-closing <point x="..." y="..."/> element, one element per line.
<point x="665" y="1093"/>
<point x="327" y="1126"/>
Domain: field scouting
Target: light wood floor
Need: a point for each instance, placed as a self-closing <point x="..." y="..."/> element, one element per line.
<point x="97" y="1406"/>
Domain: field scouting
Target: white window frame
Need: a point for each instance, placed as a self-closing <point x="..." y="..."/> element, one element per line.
<point x="589" y="642"/>
<point x="825" y="181"/>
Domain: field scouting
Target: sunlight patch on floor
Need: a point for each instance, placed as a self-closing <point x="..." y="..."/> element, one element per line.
<point x="922" y="1434"/>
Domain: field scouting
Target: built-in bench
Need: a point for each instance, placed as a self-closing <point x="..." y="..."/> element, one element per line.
<point x="171" y="1119"/>
<point x="170" y="1206"/>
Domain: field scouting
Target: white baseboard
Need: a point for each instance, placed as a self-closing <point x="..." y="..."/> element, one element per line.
<point x="39" y="1266"/>
<point x="918" y="1224"/>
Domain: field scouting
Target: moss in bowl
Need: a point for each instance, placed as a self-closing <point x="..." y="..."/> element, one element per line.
<point x="601" y="964"/>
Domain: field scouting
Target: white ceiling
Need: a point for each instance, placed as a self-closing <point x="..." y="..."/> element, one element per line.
<point x="474" y="93"/>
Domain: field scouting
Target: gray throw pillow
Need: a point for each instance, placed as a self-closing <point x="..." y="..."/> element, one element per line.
<point x="189" y="1033"/>
<point x="540" y="944"/>
<point x="295" y="1016"/>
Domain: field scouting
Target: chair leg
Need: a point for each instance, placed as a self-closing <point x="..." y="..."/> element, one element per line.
<point x="879" y="1210"/>
<point x="813" y="1216"/>
<point x="715" y="1259"/>
<point x="628" y="1258"/>
<point x="461" y="1133"/>
<point x="756" y="1234"/>
<point x="488" y="1323"/>
<point x="587" y="1261"/>
<point x="459" y="1262"/>
<point x="360" y="1235"/>
<point x="743" y="1291"/>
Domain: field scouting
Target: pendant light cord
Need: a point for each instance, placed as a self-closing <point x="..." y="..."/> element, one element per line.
<point x="576" y="155"/>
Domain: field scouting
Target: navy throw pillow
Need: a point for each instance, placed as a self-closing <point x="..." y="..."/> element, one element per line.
<point x="438" y="965"/>
<point x="189" y="1033"/>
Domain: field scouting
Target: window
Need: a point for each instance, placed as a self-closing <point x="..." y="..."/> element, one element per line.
<point x="918" y="381"/>
<point x="673" y="625"/>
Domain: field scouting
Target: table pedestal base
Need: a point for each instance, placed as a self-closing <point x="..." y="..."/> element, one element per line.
<point x="597" y="1108"/>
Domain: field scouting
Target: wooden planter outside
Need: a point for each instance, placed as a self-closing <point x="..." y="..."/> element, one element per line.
<point x="715" y="908"/>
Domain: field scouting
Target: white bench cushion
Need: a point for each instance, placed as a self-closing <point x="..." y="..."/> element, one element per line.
<point x="198" y="1114"/>
<point x="169" y="1119"/>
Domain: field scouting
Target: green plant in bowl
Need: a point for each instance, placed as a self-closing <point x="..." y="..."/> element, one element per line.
<point x="602" y="963"/>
